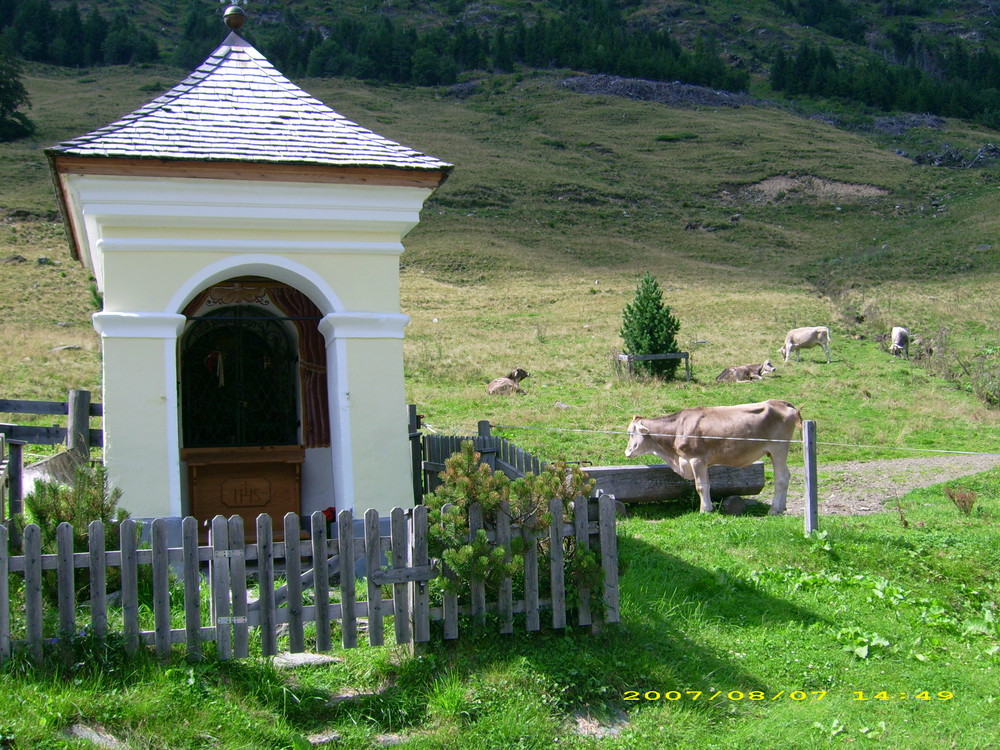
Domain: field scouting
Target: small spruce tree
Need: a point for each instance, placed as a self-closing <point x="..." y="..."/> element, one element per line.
<point x="649" y="328"/>
<point x="13" y="96"/>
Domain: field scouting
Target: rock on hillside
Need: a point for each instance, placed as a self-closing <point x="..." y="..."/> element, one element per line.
<point x="677" y="94"/>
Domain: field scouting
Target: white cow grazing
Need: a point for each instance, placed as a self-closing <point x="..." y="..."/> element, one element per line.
<point x="806" y="338"/>
<point x="900" y="345"/>
<point x="691" y="440"/>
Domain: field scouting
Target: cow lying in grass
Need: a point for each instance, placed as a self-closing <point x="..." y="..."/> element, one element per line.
<point x="745" y="373"/>
<point x="509" y="384"/>
<point x="691" y="440"/>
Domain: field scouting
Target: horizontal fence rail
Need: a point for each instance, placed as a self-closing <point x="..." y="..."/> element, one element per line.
<point x="78" y="409"/>
<point x="160" y="596"/>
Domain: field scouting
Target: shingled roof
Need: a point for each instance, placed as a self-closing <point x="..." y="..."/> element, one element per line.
<point x="237" y="107"/>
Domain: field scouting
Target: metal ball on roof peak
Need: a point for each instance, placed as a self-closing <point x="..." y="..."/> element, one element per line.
<point x="235" y="17"/>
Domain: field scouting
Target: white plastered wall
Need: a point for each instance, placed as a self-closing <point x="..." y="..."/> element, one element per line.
<point x="153" y="244"/>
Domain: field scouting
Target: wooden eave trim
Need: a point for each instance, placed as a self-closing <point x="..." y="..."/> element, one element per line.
<point x="252" y="171"/>
<point x="68" y="223"/>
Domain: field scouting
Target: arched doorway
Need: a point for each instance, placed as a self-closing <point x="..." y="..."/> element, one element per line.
<point x="238" y="380"/>
<point x="252" y="399"/>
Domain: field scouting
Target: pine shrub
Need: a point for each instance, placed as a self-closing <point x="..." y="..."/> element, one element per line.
<point x="649" y="328"/>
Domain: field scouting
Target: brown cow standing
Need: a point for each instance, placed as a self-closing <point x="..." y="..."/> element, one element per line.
<point x="691" y="440"/>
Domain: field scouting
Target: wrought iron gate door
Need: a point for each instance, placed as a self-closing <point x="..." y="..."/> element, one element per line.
<point x="238" y="380"/>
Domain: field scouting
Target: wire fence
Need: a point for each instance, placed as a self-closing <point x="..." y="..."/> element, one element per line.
<point x="625" y="433"/>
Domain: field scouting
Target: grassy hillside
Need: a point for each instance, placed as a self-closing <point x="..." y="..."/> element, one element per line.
<point x="754" y="220"/>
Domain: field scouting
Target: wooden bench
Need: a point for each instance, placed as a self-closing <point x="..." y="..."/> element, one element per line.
<point x="630" y="358"/>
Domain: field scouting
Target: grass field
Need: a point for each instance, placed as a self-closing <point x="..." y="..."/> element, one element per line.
<point x="527" y="256"/>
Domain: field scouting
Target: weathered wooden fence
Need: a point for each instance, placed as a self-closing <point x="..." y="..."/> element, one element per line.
<point x="498" y="453"/>
<point x="77" y="434"/>
<point x="233" y="571"/>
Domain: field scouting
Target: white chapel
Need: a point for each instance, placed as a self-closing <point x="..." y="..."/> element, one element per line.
<point x="246" y="240"/>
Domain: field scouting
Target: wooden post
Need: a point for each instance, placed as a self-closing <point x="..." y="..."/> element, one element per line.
<point x="221" y="617"/>
<point x="416" y="454"/>
<point x="238" y="586"/>
<point x="609" y="556"/>
<point x="127" y="541"/>
<point x="477" y="586"/>
<point x="419" y="593"/>
<point x="192" y="588"/>
<point x="505" y="598"/>
<point x="486" y="445"/>
<point x="348" y="584"/>
<point x="4" y="596"/>
<point x="321" y="581"/>
<point x="33" y="590"/>
<point x="556" y="573"/>
<point x="400" y="592"/>
<point x="812" y="500"/>
<point x="78" y="423"/>
<point x="293" y="572"/>
<point x="374" y="562"/>
<point x="265" y="581"/>
<point x="15" y="474"/>
<point x="98" y="579"/>
<point x="161" y="588"/>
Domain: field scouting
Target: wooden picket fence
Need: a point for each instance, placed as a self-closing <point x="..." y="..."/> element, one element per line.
<point x="496" y="452"/>
<point x="397" y="560"/>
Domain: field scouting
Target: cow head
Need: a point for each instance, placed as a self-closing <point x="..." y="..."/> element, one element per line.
<point x="767" y="367"/>
<point x="518" y="374"/>
<point x="637" y="433"/>
<point x="783" y="351"/>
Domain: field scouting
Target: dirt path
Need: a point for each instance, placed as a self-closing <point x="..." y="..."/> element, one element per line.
<point x="860" y="487"/>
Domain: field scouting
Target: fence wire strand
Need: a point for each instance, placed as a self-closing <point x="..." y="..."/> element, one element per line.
<point x="715" y="437"/>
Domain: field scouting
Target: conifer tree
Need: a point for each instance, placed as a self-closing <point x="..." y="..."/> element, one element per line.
<point x="649" y="328"/>
<point x="13" y="96"/>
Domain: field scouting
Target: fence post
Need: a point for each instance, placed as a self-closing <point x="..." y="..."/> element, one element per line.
<point x="812" y="500"/>
<point x="293" y="572"/>
<point x="15" y="474"/>
<point x="609" y="555"/>
<point x="265" y="579"/>
<point x="4" y="596"/>
<point x="65" y="590"/>
<point x="161" y="587"/>
<point x="78" y="423"/>
<point x="486" y="445"/>
<point x="127" y="541"/>
<point x="33" y="590"/>
<point x="374" y="562"/>
<point x="192" y="586"/>
<point x="348" y="585"/>
<point x="416" y="453"/>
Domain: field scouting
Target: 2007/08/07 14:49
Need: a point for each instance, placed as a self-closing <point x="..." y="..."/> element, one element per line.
<point x="795" y="695"/>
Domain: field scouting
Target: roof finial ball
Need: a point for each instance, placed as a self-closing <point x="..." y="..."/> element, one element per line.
<point x="235" y="17"/>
